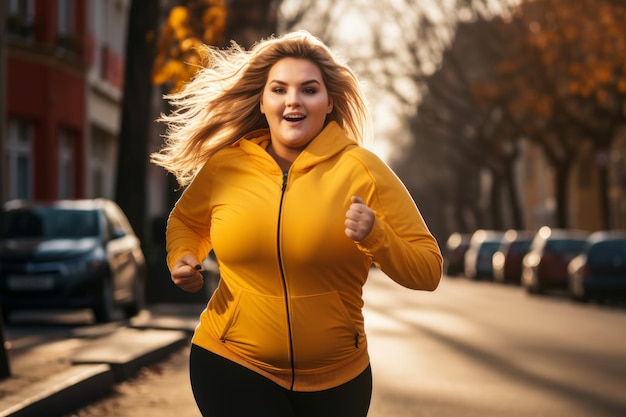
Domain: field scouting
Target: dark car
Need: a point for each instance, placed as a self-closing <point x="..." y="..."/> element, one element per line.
<point x="454" y="253"/>
<point x="483" y="244"/>
<point x="600" y="271"/>
<point x="70" y="254"/>
<point x="507" y="261"/>
<point x="544" y="267"/>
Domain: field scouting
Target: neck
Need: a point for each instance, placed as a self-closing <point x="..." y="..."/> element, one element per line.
<point x="282" y="162"/>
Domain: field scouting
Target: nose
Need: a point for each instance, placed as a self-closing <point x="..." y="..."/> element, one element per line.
<point x="293" y="98"/>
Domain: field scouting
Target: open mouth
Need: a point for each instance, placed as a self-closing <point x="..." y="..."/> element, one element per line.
<point x="294" y="117"/>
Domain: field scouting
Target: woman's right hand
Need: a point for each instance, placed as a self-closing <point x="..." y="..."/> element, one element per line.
<point x="186" y="274"/>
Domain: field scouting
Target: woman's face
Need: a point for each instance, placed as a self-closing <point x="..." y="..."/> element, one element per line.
<point x="295" y="103"/>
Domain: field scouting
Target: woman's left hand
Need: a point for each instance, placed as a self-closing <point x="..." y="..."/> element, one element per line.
<point x="359" y="219"/>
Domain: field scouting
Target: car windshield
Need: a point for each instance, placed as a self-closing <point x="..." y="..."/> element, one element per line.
<point x="569" y="246"/>
<point x="519" y="246"/>
<point x="610" y="252"/>
<point x="50" y="223"/>
<point x="489" y="247"/>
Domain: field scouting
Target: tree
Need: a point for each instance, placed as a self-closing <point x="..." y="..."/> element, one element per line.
<point x="554" y="76"/>
<point x="564" y="82"/>
<point x="450" y="49"/>
<point x="187" y="27"/>
<point x="196" y="22"/>
<point x="136" y="113"/>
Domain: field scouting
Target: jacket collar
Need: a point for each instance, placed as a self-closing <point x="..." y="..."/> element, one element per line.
<point x="328" y="143"/>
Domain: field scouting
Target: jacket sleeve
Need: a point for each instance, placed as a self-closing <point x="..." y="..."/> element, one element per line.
<point x="189" y="223"/>
<point x="400" y="243"/>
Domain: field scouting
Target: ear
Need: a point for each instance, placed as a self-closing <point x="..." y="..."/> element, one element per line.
<point x="261" y="107"/>
<point x="329" y="109"/>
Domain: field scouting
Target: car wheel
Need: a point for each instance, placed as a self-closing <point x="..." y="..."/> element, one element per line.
<point x="105" y="309"/>
<point x="138" y="302"/>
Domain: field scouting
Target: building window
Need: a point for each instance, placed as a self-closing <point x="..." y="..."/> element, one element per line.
<point x="99" y="22"/>
<point x="65" y="17"/>
<point x="20" y="17"/>
<point x="66" y="31"/>
<point x="20" y="159"/>
<point x="66" y="167"/>
<point x="101" y="160"/>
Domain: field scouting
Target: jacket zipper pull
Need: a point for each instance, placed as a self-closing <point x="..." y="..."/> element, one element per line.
<point x="284" y="180"/>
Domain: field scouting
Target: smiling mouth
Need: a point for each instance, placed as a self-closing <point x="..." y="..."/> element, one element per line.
<point x="294" y="118"/>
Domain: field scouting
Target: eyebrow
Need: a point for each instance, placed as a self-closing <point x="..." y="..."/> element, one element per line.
<point x="304" y="83"/>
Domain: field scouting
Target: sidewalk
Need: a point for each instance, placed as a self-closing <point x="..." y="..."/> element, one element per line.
<point x="57" y="377"/>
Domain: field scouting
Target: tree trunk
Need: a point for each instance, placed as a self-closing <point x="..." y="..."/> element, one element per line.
<point x="136" y="113"/>
<point x="560" y="186"/>
<point x="459" y="208"/>
<point x="514" y="202"/>
<point x="605" y="206"/>
<point x="496" y="209"/>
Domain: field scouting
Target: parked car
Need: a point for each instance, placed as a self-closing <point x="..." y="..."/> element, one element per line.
<point x="70" y="254"/>
<point x="483" y="244"/>
<point x="454" y="253"/>
<point x="600" y="271"/>
<point x="507" y="261"/>
<point x="544" y="268"/>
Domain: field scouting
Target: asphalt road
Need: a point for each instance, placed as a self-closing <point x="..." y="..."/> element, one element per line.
<point x="467" y="349"/>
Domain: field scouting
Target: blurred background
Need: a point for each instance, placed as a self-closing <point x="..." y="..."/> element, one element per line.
<point x="496" y="114"/>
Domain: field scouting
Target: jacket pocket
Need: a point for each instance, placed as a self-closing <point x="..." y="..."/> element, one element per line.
<point x="323" y="333"/>
<point x="257" y="330"/>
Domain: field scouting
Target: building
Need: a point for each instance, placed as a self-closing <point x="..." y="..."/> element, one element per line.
<point x="106" y="37"/>
<point x="64" y="77"/>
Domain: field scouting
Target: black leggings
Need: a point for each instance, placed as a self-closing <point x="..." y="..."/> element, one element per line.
<point x="223" y="388"/>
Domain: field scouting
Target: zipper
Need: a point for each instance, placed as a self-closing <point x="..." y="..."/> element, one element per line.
<point x="284" y="282"/>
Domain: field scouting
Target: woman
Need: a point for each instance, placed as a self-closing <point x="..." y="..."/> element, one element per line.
<point x="267" y="144"/>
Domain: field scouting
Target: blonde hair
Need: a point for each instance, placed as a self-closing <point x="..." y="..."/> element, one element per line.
<point x="221" y="103"/>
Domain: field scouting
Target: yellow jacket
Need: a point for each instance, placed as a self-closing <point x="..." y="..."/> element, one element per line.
<point x="289" y="303"/>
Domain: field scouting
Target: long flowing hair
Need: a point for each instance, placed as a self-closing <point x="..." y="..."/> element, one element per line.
<point x="222" y="102"/>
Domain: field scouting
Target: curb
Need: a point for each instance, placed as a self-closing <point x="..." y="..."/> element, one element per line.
<point x="128" y="350"/>
<point x="61" y="393"/>
<point x="104" y="362"/>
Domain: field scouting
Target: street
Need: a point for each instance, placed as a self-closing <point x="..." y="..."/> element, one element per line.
<point x="481" y="349"/>
<point x="467" y="349"/>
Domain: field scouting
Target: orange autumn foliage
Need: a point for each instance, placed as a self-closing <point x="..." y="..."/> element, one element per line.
<point x="564" y="51"/>
<point x="187" y="27"/>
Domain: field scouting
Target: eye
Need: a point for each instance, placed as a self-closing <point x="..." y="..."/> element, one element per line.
<point x="278" y="90"/>
<point x="309" y="90"/>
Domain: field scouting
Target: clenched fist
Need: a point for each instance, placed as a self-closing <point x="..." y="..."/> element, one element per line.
<point x="359" y="219"/>
<point x="186" y="274"/>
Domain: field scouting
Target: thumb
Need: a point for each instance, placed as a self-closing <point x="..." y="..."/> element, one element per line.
<point x="357" y="199"/>
<point x="191" y="261"/>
